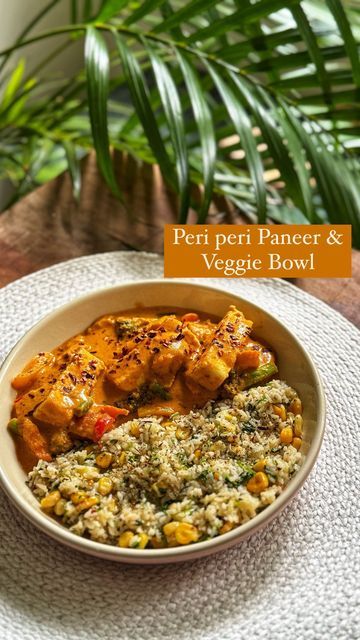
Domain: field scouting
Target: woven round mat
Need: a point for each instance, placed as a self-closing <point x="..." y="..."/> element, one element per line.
<point x="296" y="579"/>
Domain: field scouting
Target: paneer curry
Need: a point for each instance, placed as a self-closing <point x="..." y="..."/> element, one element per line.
<point x="138" y="363"/>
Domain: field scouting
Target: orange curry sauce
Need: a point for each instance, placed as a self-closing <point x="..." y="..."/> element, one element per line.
<point x="141" y="362"/>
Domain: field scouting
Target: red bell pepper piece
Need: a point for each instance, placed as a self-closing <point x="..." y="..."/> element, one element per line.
<point x="103" y="423"/>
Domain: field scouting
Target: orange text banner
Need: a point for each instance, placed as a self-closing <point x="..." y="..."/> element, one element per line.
<point x="257" y="251"/>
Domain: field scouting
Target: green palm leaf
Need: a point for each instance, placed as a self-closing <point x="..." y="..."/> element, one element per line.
<point x="242" y="125"/>
<point x="350" y="44"/>
<point x="190" y="10"/>
<point x="109" y="9"/>
<point x="246" y="15"/>
<point x="174" y="116"/>
<point x="313" y="47"/>
<point x="338" y="191"/>
<point x="141" y="99"/>
<point x="258" y="101"/>
<point x="97" y="75"/>
<point x="267" y="121"/>
<point x="143" y="10"/>
<point x="205" y="125"/>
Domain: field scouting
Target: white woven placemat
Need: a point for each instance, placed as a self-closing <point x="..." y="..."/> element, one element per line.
<point x="295" y="580"/>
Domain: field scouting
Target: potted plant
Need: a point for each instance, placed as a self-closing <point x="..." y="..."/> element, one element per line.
<point x="258" y="101"/>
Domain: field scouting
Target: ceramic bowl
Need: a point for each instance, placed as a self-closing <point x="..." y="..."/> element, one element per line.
<point x="295" y="366"/>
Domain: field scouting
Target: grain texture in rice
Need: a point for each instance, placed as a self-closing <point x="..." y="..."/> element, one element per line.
<point x="190" y="469"/>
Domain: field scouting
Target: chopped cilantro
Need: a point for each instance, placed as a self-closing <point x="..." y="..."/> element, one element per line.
<point x="247" y="427"/>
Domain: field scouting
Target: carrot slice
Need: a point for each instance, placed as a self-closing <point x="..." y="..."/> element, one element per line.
<point x="112" y="411"/>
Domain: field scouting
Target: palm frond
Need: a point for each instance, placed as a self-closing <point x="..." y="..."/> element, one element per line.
<point x="242" y="126"/>
<point x="140" y="96"/>
<point x="258" y="101"/>
<point x="97" y="72"/>
<point x="205" y="126"/>
<point x="175" y="122"/>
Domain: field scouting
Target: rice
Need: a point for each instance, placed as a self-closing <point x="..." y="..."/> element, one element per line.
<point x="190" y="469"/>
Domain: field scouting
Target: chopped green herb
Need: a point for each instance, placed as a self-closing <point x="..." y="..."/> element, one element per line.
<point x="206" y="475"/>
<point x="245" y="467"/>
<point x="14" y="426"/>
<point x="83" y="407"/>
<point x="135" y="544"/>
<point x="247" y="427"/>
<point x="276" y="449"/>
<point x="270" y="473"/>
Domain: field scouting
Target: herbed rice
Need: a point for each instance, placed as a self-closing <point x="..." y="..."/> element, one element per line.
<point x="191" y="469"/>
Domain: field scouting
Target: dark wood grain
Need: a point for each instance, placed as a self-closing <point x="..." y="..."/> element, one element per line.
<point x="48" y="226"/>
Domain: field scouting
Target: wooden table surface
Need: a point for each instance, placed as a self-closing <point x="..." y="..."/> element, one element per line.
<point x="48" y="226"/>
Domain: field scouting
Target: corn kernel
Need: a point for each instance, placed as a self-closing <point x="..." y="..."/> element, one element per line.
<point x="86" y="504"/>
<point x="258" y="483"/>
<point x="227" y="526"/>
<point x="167" y="423"/>
<point x="260" y="465"/>
<point x="182" y="433"/>
<point x="169" y="531"/>
<point x="296" y="406"/>
<point x="50" y="500"/>
<point x="298" y="425"/>
<point x="286" y="435"/>
<point x="297" y="442"/>
<point x="216" y="475"/>
<point x="125" y="539"/>
<point x="121" y="458"/>
<point x="197" y="454"/>
<point x="186" y="533"/>
<point x="59" y="508"/>
<point x="280" y="411"/>
<point x="134" y="430"/>
<point x="78" y="497"/>
<point x="169" y="528"/>
<point x="105" y="485"/>
<point x="104" y="460"/>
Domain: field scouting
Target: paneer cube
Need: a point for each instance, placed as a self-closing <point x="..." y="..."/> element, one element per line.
<point x="156" y="352"/>
<point x="214" y="363"/>
<point x="131" y="371"/>
<point x="26" y="402"/>
<point x="75" y="383"/>
<point x="166" y="363"/>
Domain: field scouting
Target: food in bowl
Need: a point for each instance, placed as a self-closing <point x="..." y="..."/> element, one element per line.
<point x="164" y="482"/>
<point x="157" y="429"/>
